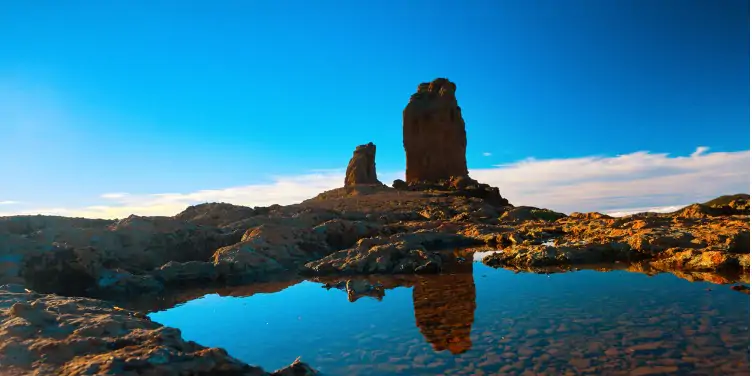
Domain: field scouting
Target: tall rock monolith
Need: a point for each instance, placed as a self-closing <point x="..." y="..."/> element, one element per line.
<point x="434" y="133"/>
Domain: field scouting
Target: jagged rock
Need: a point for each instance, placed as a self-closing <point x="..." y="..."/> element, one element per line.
<point x="461" y="186"/>
<point x="362" y="166"/>
<point x="434" y="133"/>
<point x="698" y="238"/>
<point x="396" y="254"/>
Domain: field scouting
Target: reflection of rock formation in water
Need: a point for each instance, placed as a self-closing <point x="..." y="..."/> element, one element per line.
<point x="445" y="310"/>
<point x="360" y="288"/>
<point x="444" y="304"/>
<point x="171" y="298"/>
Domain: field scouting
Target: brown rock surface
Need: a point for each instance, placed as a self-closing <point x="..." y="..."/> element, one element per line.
<point x="402" y="253"/>
<point x="362" y="166"/>
<point x="434" y="133"/>
<point x="52" y="335"/>
<point x="691" y="239"/>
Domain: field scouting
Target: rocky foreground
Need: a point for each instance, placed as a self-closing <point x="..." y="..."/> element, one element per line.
<point x="364" y="230"/>
<point x="56" y="267"/>
<point x="56" y="335"/>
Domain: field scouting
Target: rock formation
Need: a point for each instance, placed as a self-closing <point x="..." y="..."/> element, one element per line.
<point x="362" y="166"/>
<point x="435" y="143"/>
<point x="434" y="133"/>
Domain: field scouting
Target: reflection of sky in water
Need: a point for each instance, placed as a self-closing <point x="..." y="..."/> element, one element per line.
<point x="478" y="256"/>
<point x="549" y="323"/>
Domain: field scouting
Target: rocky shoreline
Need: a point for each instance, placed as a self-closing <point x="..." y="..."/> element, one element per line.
<point x="59" y="273"/>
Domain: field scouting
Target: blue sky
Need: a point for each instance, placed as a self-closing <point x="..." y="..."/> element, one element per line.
<point x="153" y="97"/>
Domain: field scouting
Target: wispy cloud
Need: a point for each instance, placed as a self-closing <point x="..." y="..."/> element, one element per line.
<point x="9" y="202"/>
<point x="486" y="154"/>
<point x="700" y="150"/>
<point x="618" y="185"/>
<point x="113" y="195"/>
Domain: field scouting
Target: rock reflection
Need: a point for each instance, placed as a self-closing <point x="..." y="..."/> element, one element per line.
<point x="720" y="278"/>
<point x="171" y="298"/>
<point x="444" y="304"/>
<point x="445" y="310"/>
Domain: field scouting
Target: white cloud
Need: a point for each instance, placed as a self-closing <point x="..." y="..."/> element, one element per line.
<point x="486" y="154"/>
<point x="636" y="180"/>
<point x="9" y="202"/>
<point x="700" y="150"/>
<point x="113" y="195"/>
<point x="619" y="185"/>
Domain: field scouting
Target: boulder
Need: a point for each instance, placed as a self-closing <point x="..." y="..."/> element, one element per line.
<point x="362" y="166"/>
<point x="270" y="249"/>
<point x="434" y="133"/>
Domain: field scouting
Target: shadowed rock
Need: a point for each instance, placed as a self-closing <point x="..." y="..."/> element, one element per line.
<point x="362" y="166"/>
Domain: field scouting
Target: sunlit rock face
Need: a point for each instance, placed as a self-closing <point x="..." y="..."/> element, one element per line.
<point x="434" y="133"/>
<point x="362" y="166"/>
<point x="445" y="309"/>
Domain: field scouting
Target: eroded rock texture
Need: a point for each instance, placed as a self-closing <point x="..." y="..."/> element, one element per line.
<point x="53" y="335"/>
<point x="434" y="133"/>
<point x="362" y="166"/>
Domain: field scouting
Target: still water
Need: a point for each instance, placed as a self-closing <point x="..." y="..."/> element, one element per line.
<point x="482" y="322"/>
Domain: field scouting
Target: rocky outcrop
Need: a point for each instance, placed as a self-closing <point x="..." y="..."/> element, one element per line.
<point x="218" y="214"/>
<point x="396" y="254"/>
<point x="135" y="244"/>
<point x="434" y="133"/>
<point x="461" y="186"/>
<point x="692" y="239"/>
<point x="529" y="213"/>
<point x="52" y="335"/>
<point x="362" y="166"/>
